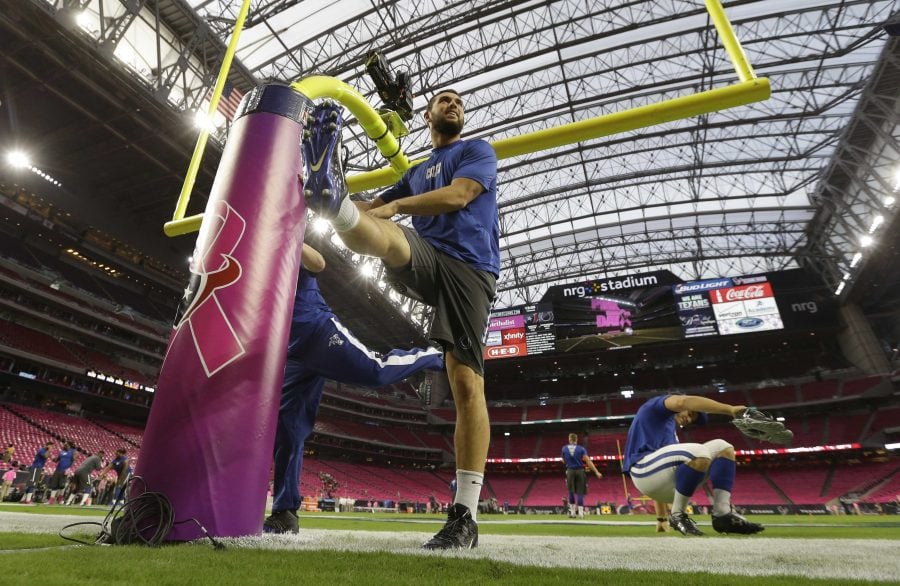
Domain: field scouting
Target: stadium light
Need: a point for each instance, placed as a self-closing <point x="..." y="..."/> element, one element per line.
<point x="866" y="241"/>
<point x="18" y="159"/>
<point x="83" y="19"/>
<point x="840" y="288"/>
<point x="320" y="225"/>
<point x="877" y="221"/>
<point x="889" y="201"/>
<point x="894" y="446"/>
<point x="367" y="270"/>
<point x="855" y="260"/>
<point x="44" y="176"/>
<point x="203" y="121"/>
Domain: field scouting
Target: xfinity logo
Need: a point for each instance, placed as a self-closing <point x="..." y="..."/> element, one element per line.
<point x="806" y="306"/>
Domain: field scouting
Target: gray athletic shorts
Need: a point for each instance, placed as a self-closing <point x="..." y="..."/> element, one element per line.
<point x="84" y="481"/>
<point x="461" y="297"/>
<point x="58" y="481"/>
<point x="576" y="481"/>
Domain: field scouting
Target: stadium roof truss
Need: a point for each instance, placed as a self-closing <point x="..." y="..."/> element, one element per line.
<point x="744" y="190"/>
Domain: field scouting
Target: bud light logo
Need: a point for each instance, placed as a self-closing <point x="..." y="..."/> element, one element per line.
<point x="695" y="286"/>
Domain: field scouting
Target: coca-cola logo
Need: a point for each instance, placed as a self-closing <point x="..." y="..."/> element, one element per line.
<point x="751" y="292"/>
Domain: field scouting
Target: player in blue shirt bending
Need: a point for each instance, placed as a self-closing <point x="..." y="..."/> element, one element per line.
<point x="320" y="348"/>
<point x="575" y="457"/>
<point x="669" y="472"/>
<point x="450" y="261"/>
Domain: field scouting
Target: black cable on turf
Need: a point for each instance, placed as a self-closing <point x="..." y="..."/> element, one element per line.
<point x="144" y="519"/>
<point x="106" y="520"/>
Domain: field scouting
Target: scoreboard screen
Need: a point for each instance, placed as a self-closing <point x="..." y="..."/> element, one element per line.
<point x="515" y="332"/>
<point x="727" y="306"/>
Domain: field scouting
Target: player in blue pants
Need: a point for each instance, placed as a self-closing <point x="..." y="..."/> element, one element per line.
<point x="322" y="348"/>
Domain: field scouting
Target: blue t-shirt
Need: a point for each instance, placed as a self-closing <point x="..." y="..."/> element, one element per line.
<point x="65" y="460"/>
<point x="573" y="455"/>
<point x="119" y="464"/>
<point x="472" y="234"/>
<point x="40" y="459"/>
<point x="653" y="428"/>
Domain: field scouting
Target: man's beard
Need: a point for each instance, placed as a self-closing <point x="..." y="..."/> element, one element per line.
<point x="449" y="128"/>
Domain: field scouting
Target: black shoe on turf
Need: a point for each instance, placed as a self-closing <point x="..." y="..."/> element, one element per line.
<point x="325" y="186"/>
<point x="734" y="523"/>
<point x="281" y="522"/>
<point x="460" y="531"/>
<point x="683" y="524"/>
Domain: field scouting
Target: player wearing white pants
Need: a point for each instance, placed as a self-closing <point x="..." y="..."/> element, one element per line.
<point x="669" y="472"/>
<point x="654" y="474"/>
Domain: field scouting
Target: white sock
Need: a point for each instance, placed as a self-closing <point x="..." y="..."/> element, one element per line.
<point x="721" y="502"/>
<point x="468" y="491"/>
<point x="680" y="503"/>
<point x="580" y="511"/>
<point x="347" y="217"/>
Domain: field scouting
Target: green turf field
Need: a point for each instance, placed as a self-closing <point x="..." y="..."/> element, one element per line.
<point x="314" y="557"/>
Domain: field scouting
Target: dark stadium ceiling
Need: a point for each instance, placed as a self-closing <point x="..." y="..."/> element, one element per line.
<point x="796" y="180"/>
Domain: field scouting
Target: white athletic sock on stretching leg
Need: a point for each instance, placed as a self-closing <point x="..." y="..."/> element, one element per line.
<point x="347" y="217"/>
<point x="468" y="490"/>
<point x="721" y="502"/>
<point x="679" y="503"/>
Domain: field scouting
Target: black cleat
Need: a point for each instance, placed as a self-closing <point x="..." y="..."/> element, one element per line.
<point x="325" y="187"/>
<point x="282" y="522"/>
<point x="734" y="523"/>
<point x="460" y="531"/>
<point x="683" y="524"/>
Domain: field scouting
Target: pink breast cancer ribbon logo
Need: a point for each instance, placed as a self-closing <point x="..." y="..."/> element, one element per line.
<point x="214" y="269"/>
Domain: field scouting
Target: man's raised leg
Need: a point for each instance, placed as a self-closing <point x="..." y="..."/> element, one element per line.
<point x="326" y="192"/>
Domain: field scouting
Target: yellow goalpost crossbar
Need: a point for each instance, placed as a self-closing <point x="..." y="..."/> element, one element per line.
<point x="749" y="89"/>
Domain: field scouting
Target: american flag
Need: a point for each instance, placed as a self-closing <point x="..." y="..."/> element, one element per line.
<point x="230" y="100"/>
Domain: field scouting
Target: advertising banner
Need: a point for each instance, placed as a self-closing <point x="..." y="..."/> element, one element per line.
<point x="515" y="332"/>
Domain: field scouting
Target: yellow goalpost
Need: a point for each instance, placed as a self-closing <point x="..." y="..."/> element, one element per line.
<point x="747" y="90"/>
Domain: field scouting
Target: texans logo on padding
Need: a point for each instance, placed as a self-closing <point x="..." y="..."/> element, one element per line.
<point x="203" y="285"/>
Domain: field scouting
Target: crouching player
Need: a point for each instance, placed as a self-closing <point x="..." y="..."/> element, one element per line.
<point x="669" y="472"/>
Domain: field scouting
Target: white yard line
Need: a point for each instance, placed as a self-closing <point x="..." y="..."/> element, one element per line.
<point x="842" y="559"/>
